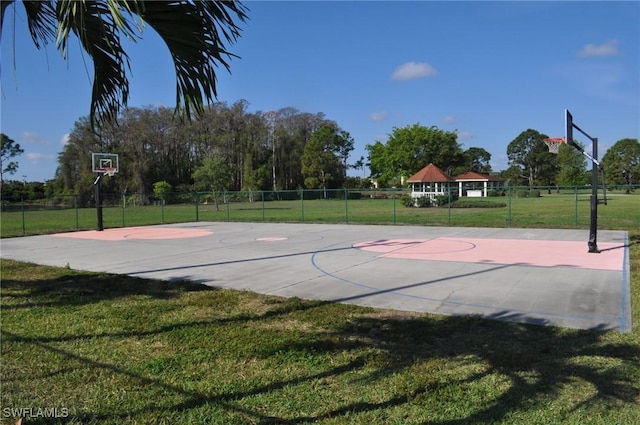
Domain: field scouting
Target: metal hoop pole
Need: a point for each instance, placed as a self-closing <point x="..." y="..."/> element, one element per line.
<point x="593" y="227"/>
<point x="99" y="202"/>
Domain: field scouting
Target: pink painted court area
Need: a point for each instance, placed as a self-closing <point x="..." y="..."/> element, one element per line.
<point x="538" y="253"/>
<point x="534" y="276"/>
<point x="121" y="234"/>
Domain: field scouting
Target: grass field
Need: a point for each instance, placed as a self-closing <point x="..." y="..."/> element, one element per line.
<point x="565" y="210"/>
<point x="106" y="349"/>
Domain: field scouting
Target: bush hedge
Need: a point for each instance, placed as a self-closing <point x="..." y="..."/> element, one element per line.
<point x="477" y="204"/>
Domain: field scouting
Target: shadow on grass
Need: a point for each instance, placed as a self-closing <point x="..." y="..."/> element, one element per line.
<point x="78" y="288"/>
<point x="539" y="362"/>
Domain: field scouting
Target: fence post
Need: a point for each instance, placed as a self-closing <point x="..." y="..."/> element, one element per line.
<point x="393" y="194"/>
<point x="24" y="227"/>
<point x="75" y="206"/>
<point x="346" y="205"/>
<point x="576" y="206"/>
<point x="195" y="197"/>
<point x="263" y="211"/>
<point x="510" y="193"/>
<point x="449" y="207"/>
<point x="225" y="199"/>
<point x="302" y="199"/>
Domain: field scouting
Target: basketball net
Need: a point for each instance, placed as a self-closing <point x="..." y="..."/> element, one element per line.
<point x="554" y="143"/>
<point x="109" y="171"/>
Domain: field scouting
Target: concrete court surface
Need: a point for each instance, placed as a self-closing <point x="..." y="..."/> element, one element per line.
<point x="544" y="277"/>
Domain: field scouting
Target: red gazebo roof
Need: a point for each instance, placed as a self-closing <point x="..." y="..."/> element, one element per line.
<point x="430" y="173"/>
<point x="473" y="175"/>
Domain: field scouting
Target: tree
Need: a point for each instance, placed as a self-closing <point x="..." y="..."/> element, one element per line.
<point x="513" y="176"/>
<point x="621" y="162"/>
<point x="477" y="159"/>
<point x="343" y="148"/>
<point x="572" y="167"/>
<point x="359" y="165"/>
<point x="195" y="32"/>
<point x="74" y="162"/>
<point x="213" y="174"/>
<point x="529" y="153"/>
<point x="9" y="149"/>
<point x="162" y="190"/>
<point x="409" y="149"/>
<point x="289" y="132"/>
<point x="320" y="162"/>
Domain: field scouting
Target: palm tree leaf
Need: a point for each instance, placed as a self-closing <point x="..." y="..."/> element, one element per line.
<point x="41" y="20"/>
<point x="99" y="35"/>
<point x="195" y="34"/>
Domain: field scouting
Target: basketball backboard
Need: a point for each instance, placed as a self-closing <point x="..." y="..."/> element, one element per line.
<point x="104" y="163"/>
<point x="568" y="125"/>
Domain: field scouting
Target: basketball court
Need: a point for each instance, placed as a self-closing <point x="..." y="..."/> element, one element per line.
<point x="544" y="277"/>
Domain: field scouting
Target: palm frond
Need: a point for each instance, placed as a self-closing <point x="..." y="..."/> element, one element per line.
<point x="41" y="20"/>
<point x="95" y="27"/>
<point x="196" y="34"/>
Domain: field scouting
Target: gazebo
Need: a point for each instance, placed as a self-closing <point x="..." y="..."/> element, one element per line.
<point x="430" y="182"/>
<point x="474" y="184"/>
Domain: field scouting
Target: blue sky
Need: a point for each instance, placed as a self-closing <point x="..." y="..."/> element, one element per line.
<point x="488" y="70"/>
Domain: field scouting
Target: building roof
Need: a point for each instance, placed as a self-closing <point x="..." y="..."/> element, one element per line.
<point x="430" y="173"/>
<point x="475" y="176"/>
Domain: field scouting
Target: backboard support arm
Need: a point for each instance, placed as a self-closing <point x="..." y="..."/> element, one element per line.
<point x="593" y="226"/>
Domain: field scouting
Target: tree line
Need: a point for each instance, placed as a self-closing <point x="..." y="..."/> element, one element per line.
<point x="229" y="148"/>
<point x="224" y="148"/>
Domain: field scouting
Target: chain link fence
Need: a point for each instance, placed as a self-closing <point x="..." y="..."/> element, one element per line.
<point x="550" y="207"/>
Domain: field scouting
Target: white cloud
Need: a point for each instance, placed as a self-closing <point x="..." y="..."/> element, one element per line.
<point x="412" y="71"/>
<point x="606" y="81"/>
<point x="40" y="158"/>
<point x="64" y="140"/>
<point x="464" y="135"/>
<point x="32" y="138"/>
<point x="609" y="48"/>
<point x="450" y="119"/>
<point x="378" y="116"/>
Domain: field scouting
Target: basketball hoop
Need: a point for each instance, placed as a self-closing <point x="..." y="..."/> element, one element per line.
<point x="553" y="143"/>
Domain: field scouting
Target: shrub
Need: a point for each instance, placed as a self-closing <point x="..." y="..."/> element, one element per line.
<point x="443" y="200"/>
<point x="407" y="201"/>
<point x="423" y="201"/>
<point x="477" y="204"/>
<point x="162" y="190"/>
